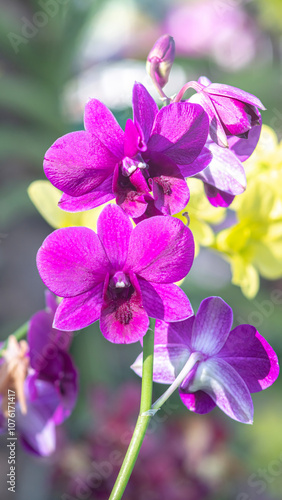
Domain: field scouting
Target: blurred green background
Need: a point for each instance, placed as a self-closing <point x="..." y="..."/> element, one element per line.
<point x="55" y="55"/>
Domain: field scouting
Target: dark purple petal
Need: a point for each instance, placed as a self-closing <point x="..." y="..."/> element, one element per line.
<point x="161" y="250"/>
<point x="201" y="162"/>
<point x="243" y="148"/>
<point x="36" y="427"/>
<point x="224" y="385"/>
<point x="198" y="401"/>
<point x="180" y="131"/>
<point x="251" y="356"/>
<point x="96" y="197"/>
<point x="123" y="318"/>
<point x="165" y="302"/>
<point x="79" y="312"/>
<point x="174" y="333"/>
<point x="114" y="229"/>
<point x="71" y="261"/>
<point x="67" y="385"/>
<point x="144" y="110"/>
<point x="100" y="122"/>
<point x="225" y="171"/>
<point x="212" y="326"/>
<point x="167" y="362"/>
<point x="170" y="190"/>
<point x="218" y="198"/>
<point x="78" y="163"/>
<point x="233" y="93"/>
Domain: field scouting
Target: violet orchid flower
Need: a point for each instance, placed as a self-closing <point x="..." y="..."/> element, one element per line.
<point x="211" y="365"/>
<point x="143" y="167"/>
<point x="120" y="275"/>
<point x="51" y="384"/>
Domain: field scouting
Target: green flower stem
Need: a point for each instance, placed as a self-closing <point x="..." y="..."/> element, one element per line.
<point x="143" y="420"/>
<point x="20" y="334"/>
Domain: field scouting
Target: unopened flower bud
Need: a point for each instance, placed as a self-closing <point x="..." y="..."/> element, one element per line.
<point x="160" y="60"/>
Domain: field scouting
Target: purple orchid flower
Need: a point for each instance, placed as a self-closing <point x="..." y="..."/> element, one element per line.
<point x="211" y="365"/>
<point x="51" y="385"/>
<point x="153" y="155"/>
<point x="232" y="112"/>
<point x="120" y="275"/>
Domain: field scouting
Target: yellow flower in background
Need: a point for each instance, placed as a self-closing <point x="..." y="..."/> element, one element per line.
<point x="45" y="197"/>
<point x="254" y="245"/>
<point x="201" y="214"/>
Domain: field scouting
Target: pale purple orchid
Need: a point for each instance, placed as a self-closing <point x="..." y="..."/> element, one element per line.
<point x="121" y="275"/>
<point x="50" y="387"/>
<point x="142" y="167"/>
<point x="211" y="365"/>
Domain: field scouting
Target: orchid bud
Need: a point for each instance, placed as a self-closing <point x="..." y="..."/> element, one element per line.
<point x="160" y="60"/>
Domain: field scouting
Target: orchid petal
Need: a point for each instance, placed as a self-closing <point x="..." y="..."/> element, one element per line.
<point x="170" y="189"/>
<point x="144" y="110"/>
<point x="78" y="163"/>
<point x="211" y="326"/>
<point x="71" y="261"/>
<point x="251" y="356"/>
<point x="218" y="198"/>
<point x="201" y="162"/>
<point x="180" y="131"/>
<point x="78" y="312"/>
<point x="225" y="171"/>
<point x="100" y="122"/>
<point x="225" y="386"/>
<point x="174" y="333"/>
<point x="114" y="229"/>
<point x="199" y="401"/>
<point x="161" y="250"/>
<point x="36" y="426"/>
<point x="168" y="362"/>
<point x="165" y="302"/>
<point x="95" y="198"/>
<point x="233" y="93"/>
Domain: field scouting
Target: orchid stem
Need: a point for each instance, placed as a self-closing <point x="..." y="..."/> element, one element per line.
<point x="143" y="420"/>
<point x="20" y="334"/>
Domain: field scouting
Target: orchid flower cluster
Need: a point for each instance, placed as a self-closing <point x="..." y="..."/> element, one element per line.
<point x="120" y="263"/>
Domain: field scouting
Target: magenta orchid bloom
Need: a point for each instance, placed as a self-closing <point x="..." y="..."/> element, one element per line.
<point x="51" y="386"/>
<point x="143" y="167"/>
<point x="120" y="275"/>
<point x="232" y="112"/>
<point x="211" y="365"/>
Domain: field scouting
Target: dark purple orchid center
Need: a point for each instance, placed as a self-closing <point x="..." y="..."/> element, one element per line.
<point x="128" y="165"/>
<point x="119" y="294"/>
<point x="119" y="281"/>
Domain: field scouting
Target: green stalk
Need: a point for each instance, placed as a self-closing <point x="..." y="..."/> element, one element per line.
<point x="143" y="420"/>
<point x="20" y="334"/>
